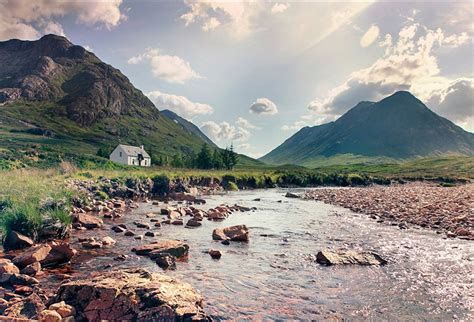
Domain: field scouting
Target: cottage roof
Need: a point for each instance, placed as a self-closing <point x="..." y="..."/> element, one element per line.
<point x="134" y="150"/>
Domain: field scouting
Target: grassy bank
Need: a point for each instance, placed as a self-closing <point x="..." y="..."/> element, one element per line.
<point x="31" y="199"/>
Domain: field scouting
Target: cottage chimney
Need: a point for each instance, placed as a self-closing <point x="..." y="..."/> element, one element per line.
<point x="141" y="147"/>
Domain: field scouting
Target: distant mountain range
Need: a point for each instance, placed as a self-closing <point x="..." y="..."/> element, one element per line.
<point x="187" y="126"/>
<point x="60" y="97"/>
<point x="397" y="127"/>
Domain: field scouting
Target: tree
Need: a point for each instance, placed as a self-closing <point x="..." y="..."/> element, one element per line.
<point x="217" y="160"/>
<point x="204" y="158"/>
<point x="177" y="161"/>
<point x="229" y="158"/>
<point x="103" y="152"/>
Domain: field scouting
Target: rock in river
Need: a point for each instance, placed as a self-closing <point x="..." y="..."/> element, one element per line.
<point x="31" y="255"/>
<point x="89" y="221"/>
<point x="174" y="248"/>
<point x="343" y="257"/>
<point x="291" y="195"/>
<point x="133" y="294"/>
<point x="234" y="233"/>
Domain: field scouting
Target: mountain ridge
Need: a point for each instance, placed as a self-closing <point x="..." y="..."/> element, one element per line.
<point x="399" y="126"/>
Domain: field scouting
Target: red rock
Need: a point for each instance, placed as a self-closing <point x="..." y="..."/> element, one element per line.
<point x="15" y="240"/>
<point x="173" y="247"/>
<point x="7" y="267"/>
<point x="89" y="221"/>
<point x="233" y="233"/>
<point x="31" y="255"/>
<point x="216" y="254"/>
<point x="61" y="252"/>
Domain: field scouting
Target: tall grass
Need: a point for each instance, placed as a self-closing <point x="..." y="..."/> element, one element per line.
<point x="23" y="194"/>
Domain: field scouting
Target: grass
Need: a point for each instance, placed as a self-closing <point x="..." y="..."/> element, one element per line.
<point x="30" y="197"/>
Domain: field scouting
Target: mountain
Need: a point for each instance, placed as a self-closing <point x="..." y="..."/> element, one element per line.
<point x="397" y="127"/>
<point x="58" y="97"/>
<point x="187" y="126"/>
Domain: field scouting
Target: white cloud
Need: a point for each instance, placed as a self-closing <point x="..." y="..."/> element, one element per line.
<point x="225" y="132"/>
<point x="242" y="122"/>
<point x="172" y="69"/>
<point x="409" y="63"/>
<point x="238" y="17"/>
<point x="370" y="36"/>
<point x="263" y="106"/>
<point x="179" y="104"/>
<point x="280" y="7"/>
<point x="24" y="20"/>
<point x="211" y="24"/>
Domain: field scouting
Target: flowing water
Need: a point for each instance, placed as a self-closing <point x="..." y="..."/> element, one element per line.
<point x="275" y="275"/>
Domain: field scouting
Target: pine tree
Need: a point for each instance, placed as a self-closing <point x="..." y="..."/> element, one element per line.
<point x="217" y="160"/>
<point x="204" y="158"/>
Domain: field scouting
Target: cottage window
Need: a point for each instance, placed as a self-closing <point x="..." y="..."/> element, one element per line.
<point x="120" y="154"/>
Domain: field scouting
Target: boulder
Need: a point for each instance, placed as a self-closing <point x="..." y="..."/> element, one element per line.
<point x="61" y="252"/>
<point x="27" y="308"/>
<point x="133" y="294"/>
<point x="291" y="195"/>
<point x="15" y="240"/>
<point x="32" y="269"/>
<point x="193" y="223"/>
<point x="89" y="221"/>
<point x="166" y="261"/>
<point x="142" y="225"/>
<point x="21" y="279"/>
<point x="119" y="229"/>
<point x="233" y="233"/>
<point x="345" y="257"/>
<point x="174" y="248"/>
<point x="31" y="255"/>
<point x="7" y="267"/>
<point x="92" y="244"/>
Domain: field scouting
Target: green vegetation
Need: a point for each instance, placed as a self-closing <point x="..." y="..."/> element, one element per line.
<point x="31" y="198"/>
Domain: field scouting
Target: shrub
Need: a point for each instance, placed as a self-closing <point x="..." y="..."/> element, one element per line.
<point x="231" y="186"/>
<point x="25" y="219"/>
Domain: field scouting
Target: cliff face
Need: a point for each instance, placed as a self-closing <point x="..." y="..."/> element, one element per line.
<point x="53" y="69"/>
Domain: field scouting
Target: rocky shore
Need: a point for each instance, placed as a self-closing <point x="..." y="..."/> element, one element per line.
<point x="38" y="280"/>
<point x="448" y="210"/>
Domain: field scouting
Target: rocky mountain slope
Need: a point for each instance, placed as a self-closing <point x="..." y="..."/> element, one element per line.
<point x="398" y="127"/>
<point x="55" y="95"/>
<point x="187" y="126"/>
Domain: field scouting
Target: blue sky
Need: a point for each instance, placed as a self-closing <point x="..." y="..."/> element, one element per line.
<point x="253" y="73"/>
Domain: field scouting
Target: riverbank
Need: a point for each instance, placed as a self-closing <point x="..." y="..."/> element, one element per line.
<point x="448" y="210"/>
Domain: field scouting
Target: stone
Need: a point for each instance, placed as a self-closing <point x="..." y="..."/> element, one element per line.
<point x="291" y="195"/>
<point x="216" y="215"/>
<point x="177" y="222"/>
<point x="233" y="233"/>
<point x="175" y="248"/>
<point x="32" y="269"/>
<point x="133" y="294"/>
<point x="63" y="309"/>
<point x="31" y="255"/>
<point x="21" y="279"/>
<point x="193" y="223"/>
<point x="61" y="252"/>
<point x="108" y="241"/>
<point x="138" y="237"/>
<point x="158" y="224"/>
<point x="165" y="261"/>
<point x="345" y="257"/>
<point x="142" y="225"/>
<point x="119" y="229"/>
<point x="92" y="244"/>
<point x="89" y="221"/>
<point x="7" y="267"/>
<point x="216" y="254"/>
<point x="49" y="316"/>
<point x="15" y="240"/>
<point x="150" y="234"/>
<point x="26" y="308"/>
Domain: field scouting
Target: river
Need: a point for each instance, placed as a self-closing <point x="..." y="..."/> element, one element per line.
<point x="275" y="275"/>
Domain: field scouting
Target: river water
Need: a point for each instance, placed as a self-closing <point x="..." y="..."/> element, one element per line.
<point x="275" y="275"/>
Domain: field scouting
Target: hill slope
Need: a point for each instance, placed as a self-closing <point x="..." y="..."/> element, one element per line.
<point x="187" y="126"/>
<point x="398" y="127"/>
<point x="56" y="96"/>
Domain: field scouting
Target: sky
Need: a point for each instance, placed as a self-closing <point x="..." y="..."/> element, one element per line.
<point x="252" y="73"/>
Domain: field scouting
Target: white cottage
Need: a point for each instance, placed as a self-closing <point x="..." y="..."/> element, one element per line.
<point x="131" y="155"/>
